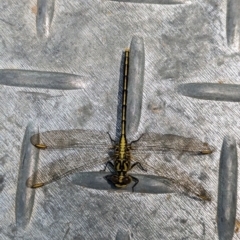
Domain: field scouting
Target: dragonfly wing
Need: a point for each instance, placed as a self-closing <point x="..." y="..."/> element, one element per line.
<point x="74" y="138"/>
<point x="61" y="168"/>
<point x="180" y="180"/>
<point x="167" y="142"/>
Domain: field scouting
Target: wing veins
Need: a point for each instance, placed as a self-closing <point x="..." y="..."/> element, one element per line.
<point x="59" y="169"/>
<point x="181" y="181"/>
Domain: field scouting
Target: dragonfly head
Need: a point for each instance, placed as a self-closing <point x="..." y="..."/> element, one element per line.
<point x="119" y="181"/>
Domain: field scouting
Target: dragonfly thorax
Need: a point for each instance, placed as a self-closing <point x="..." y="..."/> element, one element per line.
<point x="122" y="165"/>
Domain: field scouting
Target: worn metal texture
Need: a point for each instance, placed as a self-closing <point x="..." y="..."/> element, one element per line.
<point x="77" y="46"/>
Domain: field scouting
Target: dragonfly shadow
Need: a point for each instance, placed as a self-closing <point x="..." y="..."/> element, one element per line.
<point x="147" y="183"/>
<point x="119" y="104"/>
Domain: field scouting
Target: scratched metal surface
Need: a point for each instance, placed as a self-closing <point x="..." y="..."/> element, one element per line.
<point x="184" y="41"/>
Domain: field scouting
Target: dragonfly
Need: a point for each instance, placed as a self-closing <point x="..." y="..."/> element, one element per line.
<point x="120" y="153"/>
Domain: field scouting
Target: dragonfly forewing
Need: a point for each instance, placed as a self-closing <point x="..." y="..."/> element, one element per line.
<point x="74" y="138"/>
<point x="78" y="138"/>
<point x="169" y="142"/>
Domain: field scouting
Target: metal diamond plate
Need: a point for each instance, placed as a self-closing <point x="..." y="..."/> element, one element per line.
<point x="61" y="68"/>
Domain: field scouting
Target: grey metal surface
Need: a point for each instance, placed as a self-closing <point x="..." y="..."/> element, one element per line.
<point x="191" y="42"/>
<point x="227" y="189"/>
<point x="40" y="79"/>
<point x="211" y="91"/>
<point x="25" y="196"/>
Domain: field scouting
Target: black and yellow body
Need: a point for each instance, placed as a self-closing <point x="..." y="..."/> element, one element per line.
<point x="121" y="163"/>
<point x="122" y="158"/>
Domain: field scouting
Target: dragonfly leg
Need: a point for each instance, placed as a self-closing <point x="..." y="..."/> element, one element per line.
<point x="108" y="165"/>
<point x="136" y="139"/>
<point x="139" y="165"/>
<point x="112" y="141"/>
<point x="135" y="180"/>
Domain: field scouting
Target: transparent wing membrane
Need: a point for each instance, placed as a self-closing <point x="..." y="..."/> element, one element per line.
<point x="74" y="138"/>
<point x="180" y="180"/>
<point x="63" y="167"/>
<point x="167" y="142"/>
<point x="78" y="138"/>
<point x="85" y="159"/>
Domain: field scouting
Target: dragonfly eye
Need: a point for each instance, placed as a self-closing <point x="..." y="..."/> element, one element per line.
<point x="113" y="179"/>
<point x="126" y="180"/>
<point x="117" y="181"/>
